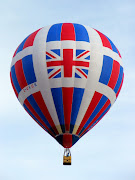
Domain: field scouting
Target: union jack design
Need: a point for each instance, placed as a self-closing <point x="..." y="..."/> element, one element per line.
<point x="55" y="63"/>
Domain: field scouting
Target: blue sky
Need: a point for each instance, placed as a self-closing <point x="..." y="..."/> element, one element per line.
<point x="108" y="150"/>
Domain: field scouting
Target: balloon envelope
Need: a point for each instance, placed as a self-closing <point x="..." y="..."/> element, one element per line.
<point x="67" y="76"/>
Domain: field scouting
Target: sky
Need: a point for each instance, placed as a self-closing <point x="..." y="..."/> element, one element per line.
<point x="108" y="150"/>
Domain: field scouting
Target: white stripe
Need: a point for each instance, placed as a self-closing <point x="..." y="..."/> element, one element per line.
<point x="113" y="55"/>
<point x="107" y="91"/>
<point x="68" y="44"/>
<point x="68" y="82"/>
<point x="27" y="91"/>
<point x="39" y="61"/>
<point x="95" y="68"/>
<point x="25" y="52"/>
<point x="96" y="48"/>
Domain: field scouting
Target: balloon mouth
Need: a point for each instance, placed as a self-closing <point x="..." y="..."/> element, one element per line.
<point x="67" y="140"/>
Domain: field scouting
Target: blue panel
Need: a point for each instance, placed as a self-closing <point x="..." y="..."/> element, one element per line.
<point x="49" y="70"/>
<point x="47" y="57"/>
<point x="113" y="46"/>
<point x="88" y="58"/>
<point x="74" y="139"/>
<point x="58" y="75"/>
<point x="97" y="109"/>
<point x="37" y="109"/>
<point x="77" y="99"/>
<point x="33" y="116"/>
<point x="60" y="139"/>
<point x="106" y="70"/>
<point x="119" y="80"/>
<point x="20" y="48"/>
<point x="54" y="33"/>
<point x="79" y="51"/>
<point x="104" y="112"/>
<point x="56" y="51"/>
<point x="97" y="119"/>
<point x="85" y="70"/>
<point x="81" y="33"/>
<point x="28" y="69"/>
<point x="77" y="76"/>
<point x="58" y="101"/>
<point x="83" y="129"/>
<point x="15" y="81"/>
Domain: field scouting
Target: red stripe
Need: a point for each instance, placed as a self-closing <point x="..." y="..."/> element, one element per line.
<point x="26" y="102"/>
<point x="114" y="75"/>
<point x="39" y="100"/>
<point x="15" y="51"/>
<point x="20" y="74"/>
<point x="98" y="115"/>
<point x="30" y="39"/>
<point x="67" y="105"/>
<point x="54" y="73"/>
<point x="67" y="62"/>
<point x="50" y="55"/>
<point x="67" y="140"/>
<point x="120" y="86"/>
<point x="101" y="111"/>
<point x="59" y="63"/>
<point x="81" y="72"/>
<point x="16" y="93"/>
<point x="119" y="53"/>
<point x="81" y="63"/>
<point x="67" y="32"/>
<point x="95" y="100"/>
<point x="92" y="126"/>
<point x="83" y="54"/>
<point x="54" y="63"/>
<point x="104" y="39"/>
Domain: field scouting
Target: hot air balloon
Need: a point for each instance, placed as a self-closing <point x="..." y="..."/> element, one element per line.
<point x="67" y="76"/>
